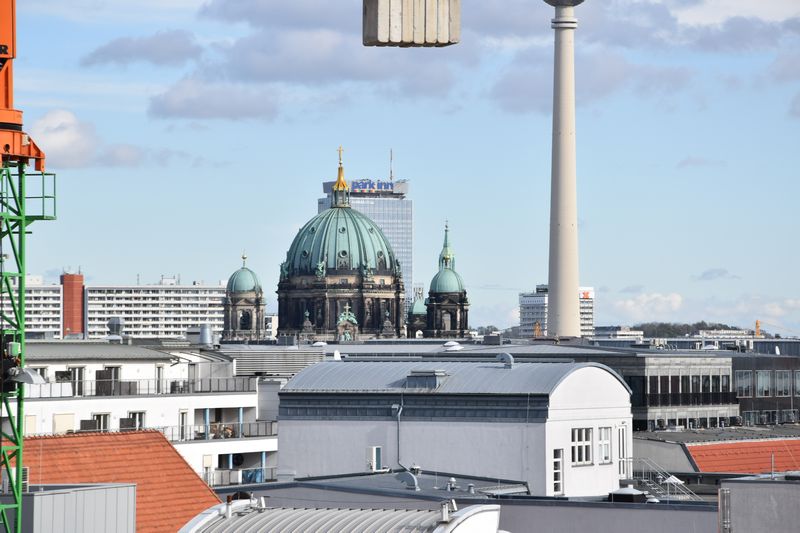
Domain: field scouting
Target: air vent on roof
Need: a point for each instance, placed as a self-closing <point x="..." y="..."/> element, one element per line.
<point x="507" y="359"/>
<point x="425" y="379"/>
<point x="409" y="479"/>
<point x="5" y="485"/>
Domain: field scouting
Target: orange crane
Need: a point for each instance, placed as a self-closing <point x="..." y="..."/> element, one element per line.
<point x="15" y="144"/>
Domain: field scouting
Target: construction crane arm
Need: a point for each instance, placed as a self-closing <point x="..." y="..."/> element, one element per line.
<point x="15" y="144"/>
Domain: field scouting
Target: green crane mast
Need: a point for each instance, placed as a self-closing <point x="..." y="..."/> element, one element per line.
<point x="24" y="199"/>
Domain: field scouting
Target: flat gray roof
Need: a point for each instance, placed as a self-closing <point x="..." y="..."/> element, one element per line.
<point x="786" y="431"/>
<point x="87" y="351"/>
<point x="460" y="377"/>
<point x="431" y="484"/>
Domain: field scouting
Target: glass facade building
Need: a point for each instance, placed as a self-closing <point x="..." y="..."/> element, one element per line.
<point x="388" y="205"/>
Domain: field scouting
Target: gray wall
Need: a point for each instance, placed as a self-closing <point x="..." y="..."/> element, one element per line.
<point x="575" y="517"/>
<point x="764" y="505"/>
<point x="80" y="509"/>
<point x="268" y="399"/>
<point x="670" y="456"/>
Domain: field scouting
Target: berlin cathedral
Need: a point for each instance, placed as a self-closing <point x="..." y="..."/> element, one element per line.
<point x="342" y="282"/>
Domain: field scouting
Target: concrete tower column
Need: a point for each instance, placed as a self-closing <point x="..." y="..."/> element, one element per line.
<point x="563" y="313"/>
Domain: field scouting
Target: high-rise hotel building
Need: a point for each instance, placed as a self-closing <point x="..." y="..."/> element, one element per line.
<point x="388" y="205"/>
<point x="533" y="312"/>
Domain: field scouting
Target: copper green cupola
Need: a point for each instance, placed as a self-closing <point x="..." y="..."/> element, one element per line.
<point x="447" y="279"/>
<point x="447" y="304"/>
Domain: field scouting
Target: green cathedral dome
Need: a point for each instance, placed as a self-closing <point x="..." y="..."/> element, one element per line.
<point x="340" y="239"/>
<point x="447" y="280"/>
<point x="419" y="307"/>
<point x="243" y="280"/>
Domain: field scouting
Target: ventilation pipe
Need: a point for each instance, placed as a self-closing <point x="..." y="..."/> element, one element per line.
<point x="398" y="409"/>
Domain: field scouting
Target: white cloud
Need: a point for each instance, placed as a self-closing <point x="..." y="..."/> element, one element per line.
<point x="191" y="98"/>
<point x="164" y="48"/>
<point x="67" y="141"/>
<point x="649" y="306"/>
<point x="716" y="11"/>
<point x="122" y="155"/>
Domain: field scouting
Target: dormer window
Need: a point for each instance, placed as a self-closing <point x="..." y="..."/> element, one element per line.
<point x="425" y="379"/>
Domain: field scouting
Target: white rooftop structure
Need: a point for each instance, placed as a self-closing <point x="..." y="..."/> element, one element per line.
<point x="563" y="428"/>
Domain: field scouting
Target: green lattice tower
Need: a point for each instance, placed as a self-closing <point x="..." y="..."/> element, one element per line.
<point x="18" y="209"/>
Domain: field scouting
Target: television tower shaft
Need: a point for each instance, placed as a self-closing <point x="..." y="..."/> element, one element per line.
<point x="563" y="314"/>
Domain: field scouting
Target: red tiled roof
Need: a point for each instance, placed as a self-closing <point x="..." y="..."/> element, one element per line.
<point x="751" y="457"/>
<point x="168" y="492"/>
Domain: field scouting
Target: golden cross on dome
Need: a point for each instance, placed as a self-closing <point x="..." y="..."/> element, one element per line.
<point x="340" y="150"/>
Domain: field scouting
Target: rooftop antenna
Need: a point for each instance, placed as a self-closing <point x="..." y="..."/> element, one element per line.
<point x="391" y="165"/>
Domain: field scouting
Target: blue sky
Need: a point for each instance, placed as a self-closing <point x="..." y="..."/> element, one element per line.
<point x="184" y="131"/>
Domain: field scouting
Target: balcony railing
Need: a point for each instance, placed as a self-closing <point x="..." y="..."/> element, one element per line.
<point x="219" y="430"/>
<point x="244" y="476"/>
<point x="139" y="387"/>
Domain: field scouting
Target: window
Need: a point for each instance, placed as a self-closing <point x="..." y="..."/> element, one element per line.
<point x="797" y="382"/>
<point x="581" y="446"/>
<point x="782" y="384"/>
<point x="102" y="421"/>
<point x="744" y="383"/>
<point x="604" y="445"/>
<point x="76" y="377"/>
<point x="42" y="371"/>
<point x="763" y="383"/>
<point x="622" y="445"/>
<point x="558" y="472"/>
<point x="138" y="418"/>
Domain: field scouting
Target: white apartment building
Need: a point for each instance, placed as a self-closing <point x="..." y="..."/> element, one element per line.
<point x="564" y="428"/>
<point x="213" y="419"/>
<point x="533" y="311"/>
<point x="163" y="310"/>
<point x="43" y="304"/>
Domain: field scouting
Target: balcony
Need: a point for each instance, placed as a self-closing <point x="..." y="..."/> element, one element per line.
<point x="219" y="430"/>
<point x="244" y="476"/>
<point x="139" y="387"/>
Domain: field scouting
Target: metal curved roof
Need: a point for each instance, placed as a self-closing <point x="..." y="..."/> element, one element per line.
<point x="461" y="378"/>
<point x="288" y="520"/>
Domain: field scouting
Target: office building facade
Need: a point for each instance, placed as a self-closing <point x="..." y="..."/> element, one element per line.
<point x="533" y="312"/>
<point x="164" y="310"/>
<point x="43" y="304"/>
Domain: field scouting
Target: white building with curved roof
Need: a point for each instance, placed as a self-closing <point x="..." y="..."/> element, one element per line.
<point x="562" y="427"/>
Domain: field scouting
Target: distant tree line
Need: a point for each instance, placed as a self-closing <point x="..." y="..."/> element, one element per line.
<point x="672" y="329"/>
